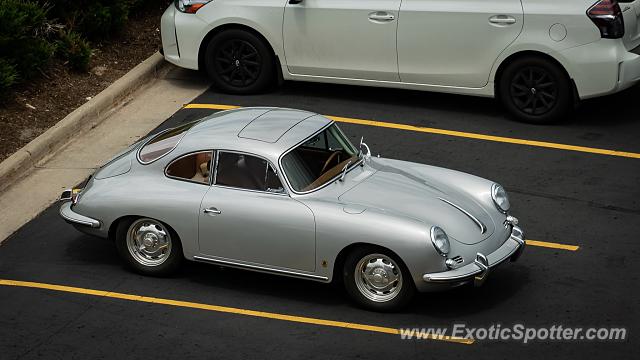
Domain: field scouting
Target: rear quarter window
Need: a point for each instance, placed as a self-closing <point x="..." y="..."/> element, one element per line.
<point x="163" y="143"/>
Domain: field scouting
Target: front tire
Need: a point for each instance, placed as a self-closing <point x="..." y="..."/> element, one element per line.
<point x="377" y="280"/>
<point x="239" y="62"/>
<point x="148" y="246"/>
<point x="537" y="91"/>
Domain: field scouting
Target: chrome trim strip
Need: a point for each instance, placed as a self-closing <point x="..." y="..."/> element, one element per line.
<point x="261" y="268"/>
<point x="482" y="227"/>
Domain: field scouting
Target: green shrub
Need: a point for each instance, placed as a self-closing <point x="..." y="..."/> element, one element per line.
<point x="8" y="76"/>
<point x="76" y="50"/>
<point x="25" y="36"/>
<point x="94" y="19"/>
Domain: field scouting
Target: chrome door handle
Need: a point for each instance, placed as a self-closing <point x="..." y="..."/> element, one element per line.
<point x="381" y="16"/>
<point x="212" y="210"/>
<point x="502" y="20"/>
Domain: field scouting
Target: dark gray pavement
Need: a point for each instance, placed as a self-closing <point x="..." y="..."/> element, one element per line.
<point x="560" y="196"/>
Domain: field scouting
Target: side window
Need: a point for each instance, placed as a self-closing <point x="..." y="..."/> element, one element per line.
<point x="193" y="167"/>
<point x="246" y="172"/>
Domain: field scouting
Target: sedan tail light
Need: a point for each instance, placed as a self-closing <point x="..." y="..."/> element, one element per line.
<point x="607" y="16"/>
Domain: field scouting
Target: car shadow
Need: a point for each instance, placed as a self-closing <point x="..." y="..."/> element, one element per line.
<point x="502" y="285"/>
<point x="601" y="111"/>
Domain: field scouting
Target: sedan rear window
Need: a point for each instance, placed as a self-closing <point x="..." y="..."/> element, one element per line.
<point x="163" y="143"/>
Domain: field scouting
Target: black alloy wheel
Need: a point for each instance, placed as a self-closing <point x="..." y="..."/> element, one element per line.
<point x="536" y="90"/>
<point x="240" y="62"/>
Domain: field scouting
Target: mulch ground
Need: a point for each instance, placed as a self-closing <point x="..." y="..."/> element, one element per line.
<point x="42" y="102"/>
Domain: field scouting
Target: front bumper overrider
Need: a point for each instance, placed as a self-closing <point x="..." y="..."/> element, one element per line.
<point x="478" y="270"/>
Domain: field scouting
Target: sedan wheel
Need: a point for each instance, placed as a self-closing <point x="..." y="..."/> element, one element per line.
<point x="377" y="280"/>
<point x="536" y="90"/>
<point x="239" y="62"/>
<point x="148" y="246"/>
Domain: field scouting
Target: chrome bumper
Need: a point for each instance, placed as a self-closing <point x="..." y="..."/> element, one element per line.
<point x="479" y="269"/>
<point x="76" y="219"/>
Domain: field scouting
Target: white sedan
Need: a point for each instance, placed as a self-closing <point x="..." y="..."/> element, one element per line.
<point x="539" y="57"/>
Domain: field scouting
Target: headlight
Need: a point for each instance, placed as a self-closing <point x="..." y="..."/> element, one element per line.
<point x="500" y="198"/>
<point x="190" y="6"/>
<point x="440" y="240"/>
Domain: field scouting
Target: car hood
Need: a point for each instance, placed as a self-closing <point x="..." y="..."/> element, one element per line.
<point x="424" y="193"/>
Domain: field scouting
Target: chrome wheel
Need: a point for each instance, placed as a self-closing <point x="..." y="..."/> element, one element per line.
<point x="148" y="242"/>
<point x="378" y="278"/>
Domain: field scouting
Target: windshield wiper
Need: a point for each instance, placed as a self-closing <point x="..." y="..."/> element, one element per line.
<point x="344" y="170"/>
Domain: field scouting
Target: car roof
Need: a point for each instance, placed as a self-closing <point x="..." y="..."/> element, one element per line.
<point x="264" y="131"/>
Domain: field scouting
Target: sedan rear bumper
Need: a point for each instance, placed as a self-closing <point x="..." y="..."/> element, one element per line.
<point x="479" y="269"/>
<point x="76" y="219"/>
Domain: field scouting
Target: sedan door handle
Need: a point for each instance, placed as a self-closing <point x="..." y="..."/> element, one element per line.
<point x="502" y="20"/>
<point x="212" y="210"/>
<point x="381" y="16"/>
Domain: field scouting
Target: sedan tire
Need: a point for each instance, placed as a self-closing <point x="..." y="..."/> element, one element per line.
<point x="377" y="280"/>
<point x="239" y="62"/>
<point x="148" y="246"/>
<point x="537" y="91"/>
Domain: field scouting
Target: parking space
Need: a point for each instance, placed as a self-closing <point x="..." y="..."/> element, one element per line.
<point x="585" y="202"/>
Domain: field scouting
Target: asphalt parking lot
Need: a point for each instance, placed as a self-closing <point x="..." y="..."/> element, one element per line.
<point x="585" y="203"/>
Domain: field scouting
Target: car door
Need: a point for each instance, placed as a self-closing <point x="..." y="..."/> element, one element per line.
<point x="454" y="42"/>
<point x="342" y="38"/>
<point x="247" y="217"/>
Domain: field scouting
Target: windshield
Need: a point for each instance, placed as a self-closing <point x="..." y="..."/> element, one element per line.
<point x="319" y="159"/>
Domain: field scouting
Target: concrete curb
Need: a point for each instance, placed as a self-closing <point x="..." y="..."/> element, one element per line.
<point x="88" y="115"/>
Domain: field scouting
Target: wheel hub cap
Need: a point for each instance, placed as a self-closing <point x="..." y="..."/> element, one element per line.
<point x="148" y="242"/>
<point x="378" y="278"/>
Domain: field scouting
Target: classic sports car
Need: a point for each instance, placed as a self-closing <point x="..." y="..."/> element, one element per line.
<point x="284" y="191"/>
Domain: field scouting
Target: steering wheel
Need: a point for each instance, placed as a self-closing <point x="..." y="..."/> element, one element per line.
<point x="334" y="155"/>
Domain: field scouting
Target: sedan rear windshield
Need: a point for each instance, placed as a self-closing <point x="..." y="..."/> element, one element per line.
<point x="163" y="143"/>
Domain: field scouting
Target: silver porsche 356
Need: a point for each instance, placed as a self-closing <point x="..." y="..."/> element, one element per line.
<point x="285" y="192"/>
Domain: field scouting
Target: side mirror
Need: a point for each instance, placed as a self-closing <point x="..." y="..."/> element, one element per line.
<point x="364" y="145"/>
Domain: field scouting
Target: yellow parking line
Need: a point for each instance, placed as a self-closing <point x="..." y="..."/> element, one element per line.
<point x="502" y="139"/>
<point x="224" y="309"/>
<point x="552" y="245"/>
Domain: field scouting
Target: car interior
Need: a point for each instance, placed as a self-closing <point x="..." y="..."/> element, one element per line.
<point x="314" y="166"/>
<point x="194" y="167"/>
<point x="246" y="172"/>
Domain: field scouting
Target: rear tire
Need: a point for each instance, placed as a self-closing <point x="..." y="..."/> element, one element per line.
<point x="148" y="246"/>
<point x="376" y="279"/>
<point x="536" y="91"/>
<point x="239" y="62"/>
